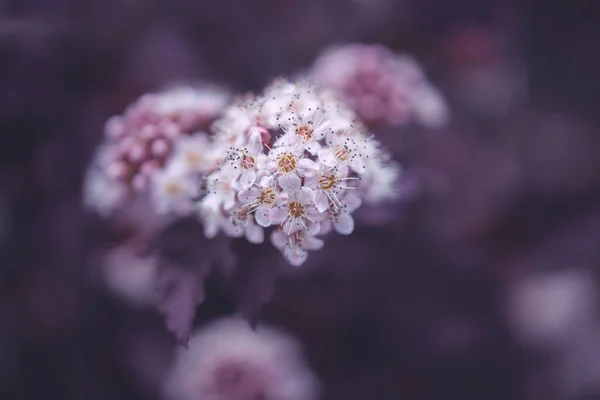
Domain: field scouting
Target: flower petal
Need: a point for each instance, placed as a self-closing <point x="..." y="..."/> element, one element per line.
<point x="307" y="167"/>
<point x="344" y="224"/>
<point x="279" y="239"/>
<point x="248" y="195"/>
<point x="248" y="178"/>
<point x="305" y="195"/>
<point x="313" y="243"/>
<point x="313" y="228"/>
<point x="277" y="214"/>
<point x="263" y="217"/>
<point x="255" y="234"/>
<point x="295" y="255"/>
<point x="290" y="182"/>
<point x="352" y="202"/>
<point x="327" y="157"/>
<point x="321" y="201"/>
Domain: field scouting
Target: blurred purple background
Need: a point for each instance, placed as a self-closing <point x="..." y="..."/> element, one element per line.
<point x="421" y="306"/>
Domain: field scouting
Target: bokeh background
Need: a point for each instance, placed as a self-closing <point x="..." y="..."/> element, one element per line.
<point x="481" y="285"/>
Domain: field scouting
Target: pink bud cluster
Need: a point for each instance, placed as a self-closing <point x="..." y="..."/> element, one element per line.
<point x="155" y="150"/>
<point x="144" y="135"/>
<point x="380" y="86"/>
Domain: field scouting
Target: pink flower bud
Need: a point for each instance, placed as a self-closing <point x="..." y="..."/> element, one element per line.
<point x="160" y="148"/>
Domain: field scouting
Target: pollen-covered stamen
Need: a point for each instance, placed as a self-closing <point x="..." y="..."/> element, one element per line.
<point x="296" y="239"/>
<point x="267" y="197"/>
<point x="327" y="181"/>
<point x="286" y="164"/>
<point x="342" y="152"/>
<point x="240" y="217"/>
<point x="305" y="131"/>
<point x="240" y="158"/>
<point x="247" y="161"/>
<point x="296" y="209"/>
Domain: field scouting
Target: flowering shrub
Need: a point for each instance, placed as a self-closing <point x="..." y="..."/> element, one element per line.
<point x="289" y="166"/>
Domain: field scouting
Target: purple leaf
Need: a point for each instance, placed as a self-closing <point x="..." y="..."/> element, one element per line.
<point x="254" y="278"/>
<point x="181" y="289"/>
<point x="186" y="258"/>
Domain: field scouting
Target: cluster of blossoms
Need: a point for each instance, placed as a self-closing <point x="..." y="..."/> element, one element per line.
<point x="380" y="86"/>
<point x="296" y="159"/>
<point x="228" y="360"/>
<point x="156" y="149"/>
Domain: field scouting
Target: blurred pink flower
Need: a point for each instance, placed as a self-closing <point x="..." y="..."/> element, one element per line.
<point x="229" y="360"/>
<point x="381" y="87"/>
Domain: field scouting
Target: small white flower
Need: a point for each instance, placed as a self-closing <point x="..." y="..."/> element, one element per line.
<point x="260" y="200"/>
<point x="343" y="150"/>
<point x="330" y="183"/>
<point x="297" y="211"/>
<point x="340" y="217"/>
<point x="295" y="247"/>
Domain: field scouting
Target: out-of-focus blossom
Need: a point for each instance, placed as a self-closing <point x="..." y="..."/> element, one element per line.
<point x="129" y="276"/>
<point x="380" y="86"/>
<point x="292" y="157"/>
<point x="487" y="76"/>
<point x="154" y="149"/>
<point x="549" y="309"/>
<point x="228" y="360"/>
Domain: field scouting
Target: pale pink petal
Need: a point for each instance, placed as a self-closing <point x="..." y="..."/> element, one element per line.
<point x="263" y="217"/>
<point x="313" y="147"/>
<point x="352" y="202"/>
<point x="313" y="243"/>
<point x="290" y="182"/>
<point x="279" y="239"/>
<point x="248" y="195"/>
<point x="261" y="162"/>
<point x="291" y="226"/>
<point x="229" y="200"/>
<point x="277" y="214"/>
<point x="254" y="233"/>
<point x="344" y="224"/>
<point x="307" y="167"/>
<point x="295" y="256"/>
<point x="326" y="227"/>
<point x="248" y="178"/>
<point x="313" y="228"/>
<point x="255" y="141"/>
<point x="267" y="181"/>
<point x="321" y="201"/>
<point x="305" y="195"/>
<point x="327" y="157"/>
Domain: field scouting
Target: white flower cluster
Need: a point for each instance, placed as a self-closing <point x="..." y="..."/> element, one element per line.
<point x="156" y="149"/>
<point x="296" y="159"/>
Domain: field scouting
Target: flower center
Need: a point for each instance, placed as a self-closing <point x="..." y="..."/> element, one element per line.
<point x="193" y="158"/>
<point x="326" y="182"/>
<point x="305" y="132"/>
<point x="296" y="209"/>
<point x="174" y="188"/>
<point x="342" y="152"/>
<point x="296" y="239"/>
<point x="266" y="196"/>
<point x="241" y="215"/>
<point x="286" y="163"/>
<point x="246" y="161"/>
